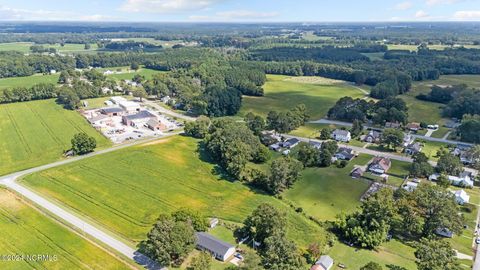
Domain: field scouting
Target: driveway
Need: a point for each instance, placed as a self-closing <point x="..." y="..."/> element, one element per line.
<point x="98" y="233"/>
<point x="164" y="110"/>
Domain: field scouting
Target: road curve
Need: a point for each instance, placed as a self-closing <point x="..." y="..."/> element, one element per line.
<point x="73" y="219"/>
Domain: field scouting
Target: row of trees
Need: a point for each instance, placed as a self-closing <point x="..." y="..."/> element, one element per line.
<point x="387" y="110"/>
<point x="36" y="92"/>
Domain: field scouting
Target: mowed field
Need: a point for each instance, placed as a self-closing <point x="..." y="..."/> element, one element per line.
<point x="125" y="191"/>
<point x="28" y="81"/>
<point x="285" y="92"/>
<point x="28" y="232"/>
<point x="25" y="47"/>
<point x="327" y="192"/>
<point x="37" y="132"/>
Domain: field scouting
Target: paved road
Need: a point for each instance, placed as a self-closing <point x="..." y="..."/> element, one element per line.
<point x="167" y="111"/>
<point x="367" y="151"/>
<point x="422" y="137"/>
<point x="73" y="219"/>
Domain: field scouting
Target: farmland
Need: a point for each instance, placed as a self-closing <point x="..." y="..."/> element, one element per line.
<point x="37" y="132"/>
<point x="125" y="191"/>
<point x="282" y="92"/>
<point x="27" y="231"/>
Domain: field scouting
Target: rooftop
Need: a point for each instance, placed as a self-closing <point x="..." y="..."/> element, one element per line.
<point x="140" y="115"/>
<point x="211" y="243"/>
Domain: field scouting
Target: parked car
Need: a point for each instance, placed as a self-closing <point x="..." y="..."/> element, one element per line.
<point x="238" y="256"/>
<point x="477" y="241"/>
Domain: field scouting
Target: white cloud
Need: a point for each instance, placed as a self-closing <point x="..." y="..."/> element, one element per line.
<point x="166" y="6"/>
<point x="465" y="15"/>
<point x="403" y="5"/>
<point x="236" y="15"/>
<point x="421" y="14"/>
<point x="9" y="14"/>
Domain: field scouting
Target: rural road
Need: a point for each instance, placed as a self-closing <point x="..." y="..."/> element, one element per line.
<point x="374" y="153"/>
<point x="73" y="219"/>
<point x="167" y="111"/>
<point x="422" y="137"/>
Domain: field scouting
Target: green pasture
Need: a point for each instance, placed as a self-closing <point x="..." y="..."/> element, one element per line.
<point x="37" y="132"/>
<point x="283" y="93"/>
<point x="28" y="232"/>
<point x="28" y="81"/>
<point x="25" y="47"/>
<point x="125" y="191"/>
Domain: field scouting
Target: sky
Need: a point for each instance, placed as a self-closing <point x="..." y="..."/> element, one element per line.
<point x="240" y="10"/>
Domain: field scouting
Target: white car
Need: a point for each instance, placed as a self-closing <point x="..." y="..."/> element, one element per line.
<point x="477" y="241"/>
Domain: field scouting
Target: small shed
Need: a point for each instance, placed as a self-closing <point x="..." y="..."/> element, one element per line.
<point x="325" y="261"/>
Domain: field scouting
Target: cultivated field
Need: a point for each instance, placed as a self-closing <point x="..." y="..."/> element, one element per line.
<point x="37" y="132"/>
<point x="281" y="93"/>
<point x="125" y="191"/>
<point x="28" y="232"/>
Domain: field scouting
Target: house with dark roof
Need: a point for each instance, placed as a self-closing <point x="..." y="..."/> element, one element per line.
<point x="138" y="118"/>
<point x="219" y="249"/>
<point x="380" y="165"/>
<point x="112" y="111"/>
<point x="291" y="143"/>
<point x="357" y="173"/>
<point x="414" y="126"/>
<point x="345" y="153"/>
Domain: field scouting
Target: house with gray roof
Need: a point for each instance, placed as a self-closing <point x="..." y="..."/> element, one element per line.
<point x="342" y="135"/>
<point x="219" y="249"/>
<point x="325" y="262"/>
<point x="138" y="118"/>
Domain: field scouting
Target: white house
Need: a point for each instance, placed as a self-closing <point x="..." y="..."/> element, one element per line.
<point x="461" y="197"/>
<point x="219" y="249"/>
<point x="410" y="186"/>
<point x="463" y="180"/>
<point x="342" y="135"/>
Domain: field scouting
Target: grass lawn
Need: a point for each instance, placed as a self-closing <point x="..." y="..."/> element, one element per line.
<point x="430" y="149"/>
<point x="393" y="252"/>
<point x="375" y="56"/>
<point x="125" y="191"/>
<point x="28" y="81"/>
<point x="37" y="132"/>
<point x="129" y="74"/>
<point x="284" y="92"/>
<point x="326" y="192"/>
<point x="310" y="130"/>
<point x="398" y="172"/>
<point x="27" y="231"/>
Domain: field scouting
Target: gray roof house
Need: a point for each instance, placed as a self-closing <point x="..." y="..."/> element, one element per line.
<point x="325" y="261"/>
<point x="112" y="111"/>
<point x="140" y="116"/>
<point x="291" y="143"/>
<point x="413" y="148"/>
<point x="344" y="153"/>
<point x="219" y="249"/>
<point x="373" y="136"/>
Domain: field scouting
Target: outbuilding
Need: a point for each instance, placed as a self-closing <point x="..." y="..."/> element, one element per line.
<point x="219" y="249"/>
<point x="130" y="106"/>
<point x="138" y="118"/>
<point x="154" y="124"/>
<point x="325" y="262"/>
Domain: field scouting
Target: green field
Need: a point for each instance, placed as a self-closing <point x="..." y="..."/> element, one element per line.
<point x="284" y="92"/>
<point x="125" y="191"/>
<point x="414" y="48"/>
<point x="25" y="47"/>
<point x="37" y="132"/>
<point x="28" y="81"/>
<point x="27" y="231"/>
<point x="326" y="192"/>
